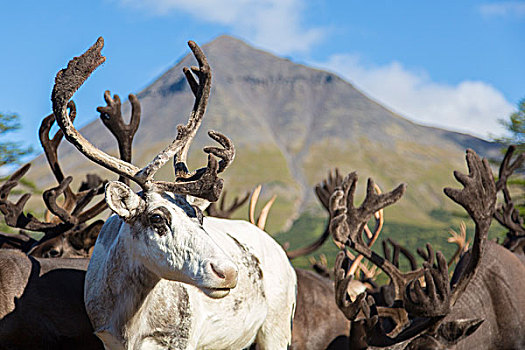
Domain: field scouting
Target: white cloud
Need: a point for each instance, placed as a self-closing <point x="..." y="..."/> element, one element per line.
<point x="470" y="106"/>
<point x="272" y="24"/>
<point x="503" y="9"/>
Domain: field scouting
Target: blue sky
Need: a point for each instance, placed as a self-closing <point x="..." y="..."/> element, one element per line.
<point x="455" y="64"/>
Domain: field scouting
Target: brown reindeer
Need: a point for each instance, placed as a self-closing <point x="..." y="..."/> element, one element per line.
<point x="42" y="304"/>
<point x="41" y="300"/>
<point x="486" y="290"/>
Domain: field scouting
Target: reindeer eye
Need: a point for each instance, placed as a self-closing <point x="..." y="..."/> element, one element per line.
<point x="156" y="219"/>
<point x="53" y="253"/>
<point x="158" y="223"/>
<point x="160" y="220"/>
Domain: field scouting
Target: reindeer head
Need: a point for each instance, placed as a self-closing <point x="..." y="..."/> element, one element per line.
<point x="160" y="228"/>
<point x="166" y="234"/>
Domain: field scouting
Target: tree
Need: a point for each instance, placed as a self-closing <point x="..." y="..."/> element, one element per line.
<point x="10" y="152"/>
<point x="515" y="125"/>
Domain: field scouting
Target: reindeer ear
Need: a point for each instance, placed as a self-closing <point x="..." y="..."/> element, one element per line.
<point x="123" y="201"/>
<point x="454" y="331"/>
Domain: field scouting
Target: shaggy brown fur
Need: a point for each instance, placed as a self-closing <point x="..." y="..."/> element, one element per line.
<point x="318" y="322"/>
<point x="42" y="303"/>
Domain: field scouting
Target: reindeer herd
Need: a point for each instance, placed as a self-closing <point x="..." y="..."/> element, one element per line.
<point x="160" y="274"/>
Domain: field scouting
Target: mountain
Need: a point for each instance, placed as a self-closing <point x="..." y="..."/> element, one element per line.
<point x="290" y="124"/>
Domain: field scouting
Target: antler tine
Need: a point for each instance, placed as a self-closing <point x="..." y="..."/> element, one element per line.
<point x="265" y="211"/>
<point x="111" y="116"/>
<point x="369" y="273"/>
<point x="478" y="197"/>
<point x="75" y="217"/>
<point x="239" y="202"/>
<point x="342" y="280"/>
<point x="226" y="154"/>
<point x="325" y="188"/>
<point x="292" y="254"/>
<point x="186" y="133"/>
<point x="428" y="256"/>
<point x="372" y="237"/>
<point x="204" y="182"/>
<point x="201" y="91"/>
<point x="50" y="199"/>
<point x="50" y="145"/>
<point x="508" y="216"/>
<point x="253" y="202"/>
<point x="398" y="248"/>
<point x="460" y="240"/>
<point x="347" y="223"/>
<point x="81" y="200"/>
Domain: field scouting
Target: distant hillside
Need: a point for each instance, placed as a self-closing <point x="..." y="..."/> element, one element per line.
<point x="291" y="124"/>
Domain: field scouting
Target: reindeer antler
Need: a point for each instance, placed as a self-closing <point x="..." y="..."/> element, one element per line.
<point x="507" y="214"/>
<point x="459" y="239"/>
<point x="263" y="216"/>
<point x="434" y="300"/>
<point x="430" y="303"/>
<point x="221" y="211"/>
<point x="478" y="197"/>
<point x="323" y="191"/>
<point x="74" y="203"/>
<point x="14" y="212"/>
<point x="203" y="183"/>
<point x="19" y="241"/>
<point x="111" y="116"/>
<point x="71" y="213"/>
<point x="347" y="225"/>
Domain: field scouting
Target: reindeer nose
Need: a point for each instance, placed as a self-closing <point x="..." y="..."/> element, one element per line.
<point x="226" y="271"/>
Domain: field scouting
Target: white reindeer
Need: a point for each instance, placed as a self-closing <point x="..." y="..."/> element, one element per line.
<point x="162" y="276"/>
